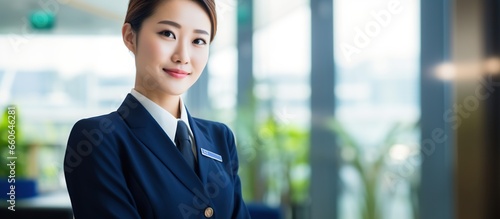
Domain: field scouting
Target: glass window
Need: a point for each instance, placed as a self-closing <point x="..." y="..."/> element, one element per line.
<point x="55" y="80"/>
<point x="281" y="64"/>
<point x="377" y="98"/>
<point x="223" y="63"/>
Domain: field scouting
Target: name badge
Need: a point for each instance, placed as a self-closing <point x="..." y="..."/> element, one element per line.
<point x="210" y="154"/>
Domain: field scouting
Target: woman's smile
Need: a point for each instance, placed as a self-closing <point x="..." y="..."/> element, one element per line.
<point x="176" y="73"/>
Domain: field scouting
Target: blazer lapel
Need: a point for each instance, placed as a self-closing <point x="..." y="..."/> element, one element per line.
<point x="149" y="132"/>
<point x="206" y="165"/>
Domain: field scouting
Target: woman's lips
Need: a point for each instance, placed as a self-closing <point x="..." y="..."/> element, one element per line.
<point x="176" y="73"/>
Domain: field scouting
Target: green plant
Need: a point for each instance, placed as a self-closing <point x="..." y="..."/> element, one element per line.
<point x="275" y="159"/>
<point x="373" y="171"/>
<point x="287" y="149"/>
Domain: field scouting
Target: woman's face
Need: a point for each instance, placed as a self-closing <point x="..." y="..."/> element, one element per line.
<point x="172" y="48"/>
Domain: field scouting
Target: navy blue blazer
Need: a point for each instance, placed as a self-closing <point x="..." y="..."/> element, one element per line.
<point x="123" y="165"/>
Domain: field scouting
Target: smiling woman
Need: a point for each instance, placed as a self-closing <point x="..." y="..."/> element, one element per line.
<point x="169" y="45"/>
<point x="151" y="158"/>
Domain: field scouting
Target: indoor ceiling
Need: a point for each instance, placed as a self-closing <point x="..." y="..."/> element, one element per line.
<point x="71" y="16"/>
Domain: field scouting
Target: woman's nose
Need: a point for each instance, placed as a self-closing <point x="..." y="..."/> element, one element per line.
<point x="181" y="54"/>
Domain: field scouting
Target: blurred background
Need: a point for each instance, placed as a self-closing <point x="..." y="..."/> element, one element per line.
<point x="344" y="109"/>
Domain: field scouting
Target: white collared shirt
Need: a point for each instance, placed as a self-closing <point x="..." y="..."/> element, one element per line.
<point x="166" y="120"/>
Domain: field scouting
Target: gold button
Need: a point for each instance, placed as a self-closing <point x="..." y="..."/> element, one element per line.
<point x="209" y="212"/>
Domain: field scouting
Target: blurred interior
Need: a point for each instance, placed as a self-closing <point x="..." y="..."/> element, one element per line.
<point x="341" y="108"/>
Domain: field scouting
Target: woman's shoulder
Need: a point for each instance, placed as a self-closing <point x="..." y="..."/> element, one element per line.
<point x="92" y="141"/>
<point x="211" y="125"/>
<point x="103" y="126"/>
<point x="104" y="122"/>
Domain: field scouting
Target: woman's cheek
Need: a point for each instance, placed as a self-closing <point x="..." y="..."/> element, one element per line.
<point x="201" y="60"/>
<point x="157" y="49"/>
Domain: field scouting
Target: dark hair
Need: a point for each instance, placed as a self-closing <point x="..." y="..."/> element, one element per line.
<point x="139" y="10"/>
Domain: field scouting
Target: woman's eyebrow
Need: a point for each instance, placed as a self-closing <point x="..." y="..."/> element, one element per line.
<point x="201" y="31"/>
<point x="178" y="26"/>
<point x="171" y="23"/>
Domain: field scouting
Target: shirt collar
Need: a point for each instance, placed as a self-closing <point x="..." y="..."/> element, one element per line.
<point x="166" y="121"/>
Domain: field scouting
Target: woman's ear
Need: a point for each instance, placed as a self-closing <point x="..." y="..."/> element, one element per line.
<point x="129" y="37"/>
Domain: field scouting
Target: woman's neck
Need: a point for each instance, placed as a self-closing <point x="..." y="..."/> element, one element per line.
<point x="171" y="103"/>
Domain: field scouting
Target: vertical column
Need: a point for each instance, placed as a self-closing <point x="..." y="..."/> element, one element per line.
<point x="436" y="185"/>
<point x="245" y="97"/>
<point x="492" y="47"/>
<point x="472" y="95"/>
<point x="245" y="53"/>
<point x="324" y="153"/>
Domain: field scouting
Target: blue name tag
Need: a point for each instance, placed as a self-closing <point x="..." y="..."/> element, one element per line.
<point x="210" y="154"/>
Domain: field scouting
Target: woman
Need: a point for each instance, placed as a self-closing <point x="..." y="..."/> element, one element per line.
<point x="150" y="158"/>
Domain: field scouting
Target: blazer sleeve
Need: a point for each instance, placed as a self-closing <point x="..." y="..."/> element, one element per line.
<point x="94" y="173"/>
<point x="240" y="210"/>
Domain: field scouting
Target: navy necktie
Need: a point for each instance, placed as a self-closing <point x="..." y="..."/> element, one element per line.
<point x="184" y="144"/>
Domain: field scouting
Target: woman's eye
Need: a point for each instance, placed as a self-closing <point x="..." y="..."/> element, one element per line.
<point x="199" y="42"/>
<point x="168" y="34"/>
